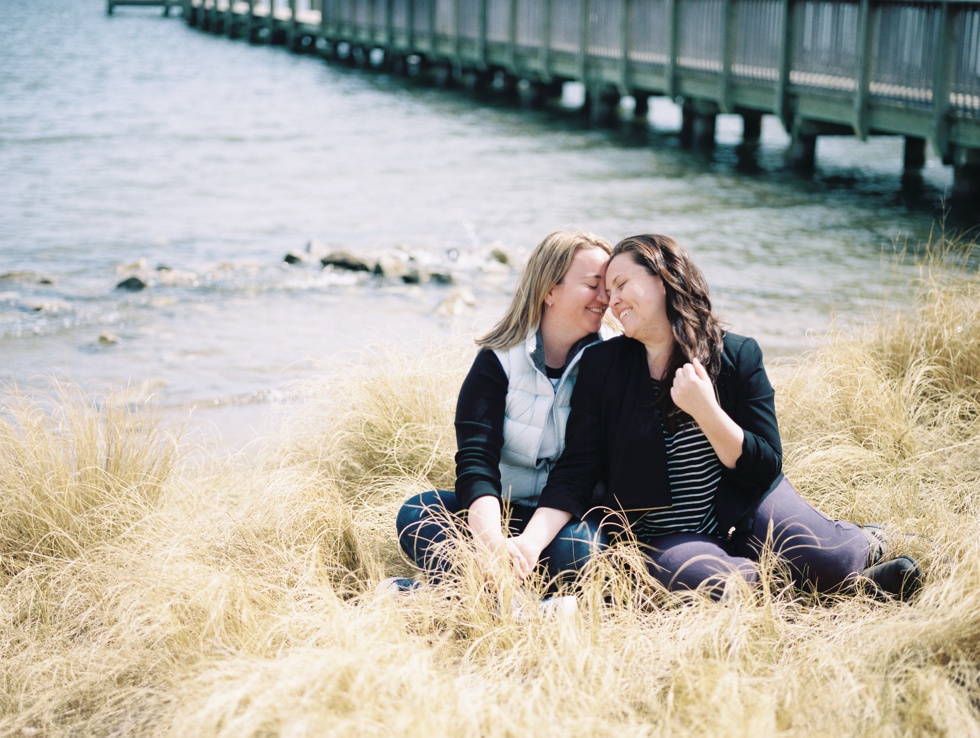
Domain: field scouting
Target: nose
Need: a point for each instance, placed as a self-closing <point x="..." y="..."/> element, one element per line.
<point x="603" y="296"/>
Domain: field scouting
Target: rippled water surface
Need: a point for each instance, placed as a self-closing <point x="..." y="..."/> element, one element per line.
<point x="135" y="143"/>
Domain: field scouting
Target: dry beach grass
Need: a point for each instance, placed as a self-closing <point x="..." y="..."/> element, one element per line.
<point x="143" y="595"/>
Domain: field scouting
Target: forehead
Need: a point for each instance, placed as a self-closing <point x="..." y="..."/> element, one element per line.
<point x="623" y="264"/>
<point x="586" y="263"/>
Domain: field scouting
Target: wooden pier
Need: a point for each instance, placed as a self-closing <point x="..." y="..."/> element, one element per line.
<point x="824" y="67"/>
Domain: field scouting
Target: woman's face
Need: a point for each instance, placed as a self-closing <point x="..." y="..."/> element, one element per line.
<point x="577" y="305"/>
<point x="638" y="299"/>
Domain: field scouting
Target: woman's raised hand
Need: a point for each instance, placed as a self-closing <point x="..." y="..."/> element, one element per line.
<point x="692" y="390"/>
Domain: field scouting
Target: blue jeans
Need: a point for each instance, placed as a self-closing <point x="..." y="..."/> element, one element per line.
<point x="430" y="523"/>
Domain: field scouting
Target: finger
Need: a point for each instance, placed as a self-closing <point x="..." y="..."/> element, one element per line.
<point x="699" y="368"/>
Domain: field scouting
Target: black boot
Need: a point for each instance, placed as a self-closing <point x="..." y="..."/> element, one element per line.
<point x="897" y="578"/>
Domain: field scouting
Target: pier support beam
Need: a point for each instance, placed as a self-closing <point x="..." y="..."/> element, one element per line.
<point x="751" y="126"/>
<point x="915" y="154"/>
<point x="802" y="153"/>
<point x="476" y="81"/>
<point x="444" y="75"/>
<point x="505" y="84"/>
<point x="396" y="63"/>
<point x="966" y="177"/>
<point x="601" y="105"/>
<point x="534" y="95"/>
<point x="642" y="108"/>
<point x="914" y="162"/>
<point x="698" y="121"/>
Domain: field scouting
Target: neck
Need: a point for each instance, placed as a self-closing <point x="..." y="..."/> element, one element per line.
<point x="556" y="347"/>
<point x="658" y="356"/>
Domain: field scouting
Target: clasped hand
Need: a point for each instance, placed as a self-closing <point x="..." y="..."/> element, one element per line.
<point x="510" y="556"/>
<point x="692" y="390"/>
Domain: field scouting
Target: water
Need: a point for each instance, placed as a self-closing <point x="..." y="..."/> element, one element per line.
<point x="134" y="142"/>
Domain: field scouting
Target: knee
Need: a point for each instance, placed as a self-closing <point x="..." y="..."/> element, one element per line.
<point x="416" y="509"/>
<point x="586" y="539"/>
<point x="712" y="574"/>
<point x="576" y="544"/>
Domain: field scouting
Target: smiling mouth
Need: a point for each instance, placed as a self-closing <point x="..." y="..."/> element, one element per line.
<point x="626" y="312"/>
<point x="597" y="311"/>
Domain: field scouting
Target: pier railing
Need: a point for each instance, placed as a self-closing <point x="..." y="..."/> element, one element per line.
<point x="900" y="67"/>
<point x="891" y="67"/>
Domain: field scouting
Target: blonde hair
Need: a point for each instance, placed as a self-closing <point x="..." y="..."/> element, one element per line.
<point x="545" y="268"/>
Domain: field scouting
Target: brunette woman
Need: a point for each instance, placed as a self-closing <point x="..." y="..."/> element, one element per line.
<point x="677" y="418"/>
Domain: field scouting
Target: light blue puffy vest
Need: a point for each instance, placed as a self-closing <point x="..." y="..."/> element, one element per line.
<point x="535" y="416"/>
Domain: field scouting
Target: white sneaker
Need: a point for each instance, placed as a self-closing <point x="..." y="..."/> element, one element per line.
<point x="552" y="606"/>
<point x="397" y="586"/>
<point x="548" y="607"/>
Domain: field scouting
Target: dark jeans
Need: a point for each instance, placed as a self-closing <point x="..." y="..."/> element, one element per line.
<point x="820" y="553"/>
<point x="430" y="523"/>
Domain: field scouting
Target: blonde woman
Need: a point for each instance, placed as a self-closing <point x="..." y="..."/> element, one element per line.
<point x="510" y="420"/>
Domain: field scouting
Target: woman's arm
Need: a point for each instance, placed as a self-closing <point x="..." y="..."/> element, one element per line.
<point x="479" y="441"/>
<point x="579" y="468"/>
<point x="540" y="531"/>
<point x="694" y="393"/>
<point x="571" y="483"/>
<point x="746" y="436"/>
<point x="479" y="430"/>
<point x="752" y="404"/>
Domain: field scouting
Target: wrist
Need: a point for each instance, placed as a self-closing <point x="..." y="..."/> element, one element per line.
<point x="533" y="541"/>
<point x="490" y="538"/>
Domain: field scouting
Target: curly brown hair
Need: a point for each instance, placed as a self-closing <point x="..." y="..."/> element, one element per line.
<point x="696" y="331"/>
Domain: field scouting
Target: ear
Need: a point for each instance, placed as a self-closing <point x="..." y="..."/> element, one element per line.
<point x="549" y="299"/>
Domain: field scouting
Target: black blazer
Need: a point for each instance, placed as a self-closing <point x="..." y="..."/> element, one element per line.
<point x="614" y="435"/>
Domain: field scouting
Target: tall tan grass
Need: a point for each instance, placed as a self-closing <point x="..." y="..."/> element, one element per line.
<point x="148" y="598"/>
<point x="74" y="473"/>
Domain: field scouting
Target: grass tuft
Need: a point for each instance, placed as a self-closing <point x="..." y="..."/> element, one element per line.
<point x="75" y="472"/>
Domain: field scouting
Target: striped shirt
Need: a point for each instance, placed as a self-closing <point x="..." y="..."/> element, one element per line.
<point x="693" y="471"/>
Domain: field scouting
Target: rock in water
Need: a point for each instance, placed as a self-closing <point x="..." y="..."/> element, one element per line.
<point x="346" y="260"/>
<point x="133" y="284"/>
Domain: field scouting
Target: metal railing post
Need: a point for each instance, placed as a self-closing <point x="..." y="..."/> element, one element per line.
<point x="673" y="44"/>
<point x="432" y="26"/>
<point x="941" y="83"/>
<point x="546" y="41"/>
<point x="626" y="22"/>
<point x="865" y="40"/>
<point x="728" y="31"/>
<point x="786" y="48"/>
<point x="482" y="34"/>
<point x="457" y="26"/>
<point x="512" y="37"/>
<point x="389" y="27"/>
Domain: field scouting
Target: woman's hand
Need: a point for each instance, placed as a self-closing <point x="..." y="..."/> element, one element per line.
<point x="500" y="557"/>
<point x="523" y="560"/>
<point x="693" y="391"/>
<point x="528" y="554"/>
